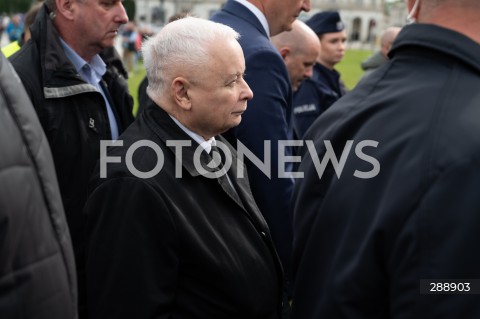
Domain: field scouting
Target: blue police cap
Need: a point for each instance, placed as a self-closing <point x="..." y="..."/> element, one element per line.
<point x="325" y="22"/>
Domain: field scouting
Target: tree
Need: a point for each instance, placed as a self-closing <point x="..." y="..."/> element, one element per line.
<point x="17" y="6"/>
<point x="130" y="7"/>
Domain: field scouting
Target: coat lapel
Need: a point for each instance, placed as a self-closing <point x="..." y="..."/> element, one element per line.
<point x="166" y="129"/>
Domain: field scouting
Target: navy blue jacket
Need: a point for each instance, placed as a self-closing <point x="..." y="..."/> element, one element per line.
<point x="268" y="118"/>
<point x="314" y="96"/>
<point x="363" y="245"/>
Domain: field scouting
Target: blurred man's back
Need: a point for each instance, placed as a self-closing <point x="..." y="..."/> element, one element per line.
<point x="392" y="231"/>
<point x="37" y="272"/>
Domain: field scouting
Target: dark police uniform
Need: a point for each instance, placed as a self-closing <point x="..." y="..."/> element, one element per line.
<point x="317" y="94"/>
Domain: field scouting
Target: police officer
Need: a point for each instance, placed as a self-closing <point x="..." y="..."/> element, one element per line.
<point x="315" y="95"/>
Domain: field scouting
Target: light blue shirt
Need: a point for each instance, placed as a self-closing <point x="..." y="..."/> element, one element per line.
<point x="259" y="14"/>
<point x="92" y="73"/>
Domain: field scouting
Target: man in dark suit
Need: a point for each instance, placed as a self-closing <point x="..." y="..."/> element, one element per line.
<point x="269" y="117"/>
<point x="171" y="236"/>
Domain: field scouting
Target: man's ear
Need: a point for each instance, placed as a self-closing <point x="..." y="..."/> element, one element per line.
<point x="179" y="90"/>
<point x="284" y="52"/>
<point x="413" y="9"/>
<point x="65" y="8"/>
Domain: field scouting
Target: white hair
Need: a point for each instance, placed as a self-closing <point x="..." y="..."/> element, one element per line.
<point x="181" y="45"/>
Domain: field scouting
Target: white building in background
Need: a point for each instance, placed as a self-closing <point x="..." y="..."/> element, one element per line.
<point x="397" y="12"/>
<point x="157" y="12"/>
<point x="364" y="19"/>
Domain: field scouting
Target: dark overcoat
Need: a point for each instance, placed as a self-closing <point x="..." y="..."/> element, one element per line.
<point x="175" y="244"/>
<point x="406" y="206"/>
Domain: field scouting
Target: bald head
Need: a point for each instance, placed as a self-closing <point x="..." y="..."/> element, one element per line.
<point x="387" y="39"/>
<point x="300" y="36"/>
<point x="458" y="15"/>
<point x="431" y="4"/>
<point x="299" y="49"/>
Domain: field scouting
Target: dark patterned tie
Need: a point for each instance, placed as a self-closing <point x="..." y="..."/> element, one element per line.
<point x="218" y="159"/>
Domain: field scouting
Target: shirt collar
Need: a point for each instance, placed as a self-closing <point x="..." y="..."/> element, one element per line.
<point x="97" y="64"/>
<point x="205" y="144"/>
<point x="259" y="14"/>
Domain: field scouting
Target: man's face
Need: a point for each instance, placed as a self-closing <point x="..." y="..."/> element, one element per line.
<point x="281" y="14"/>
<point x="16" y="20"/>
<point x="333" y="48"/>
<point x="300" y="65"/>
<point x="218" y="92"/>
<point x="97" y="23"/>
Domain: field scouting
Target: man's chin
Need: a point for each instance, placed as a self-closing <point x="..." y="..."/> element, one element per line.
<point x="236" y="121"/>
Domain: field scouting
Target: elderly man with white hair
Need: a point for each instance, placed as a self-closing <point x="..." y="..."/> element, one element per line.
<point x="171" y="235"/>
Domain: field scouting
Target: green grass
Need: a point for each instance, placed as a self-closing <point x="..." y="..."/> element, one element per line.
<point x="133" y="83"/>
<point x="349" y="67"/>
